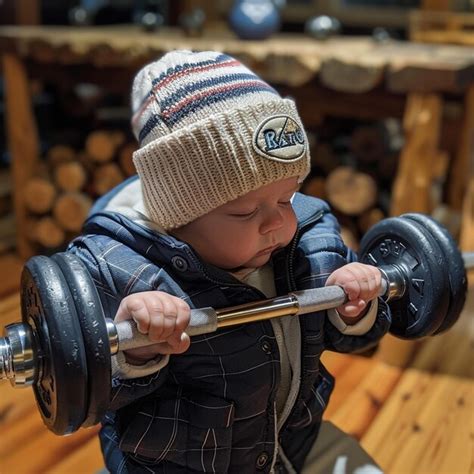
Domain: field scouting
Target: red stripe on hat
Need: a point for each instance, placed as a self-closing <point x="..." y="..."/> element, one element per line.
<point x="213" y="91"/>
<point x="177" y="75"/>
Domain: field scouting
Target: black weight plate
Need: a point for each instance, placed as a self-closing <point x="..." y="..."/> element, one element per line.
<point x="454" y="266"/>
<point x="60" y="384"/>
<point x="400" y="242"/>
<point x="94" y="332"/>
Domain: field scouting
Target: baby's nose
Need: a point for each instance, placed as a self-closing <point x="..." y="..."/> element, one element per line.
<point x="273" y="220"/>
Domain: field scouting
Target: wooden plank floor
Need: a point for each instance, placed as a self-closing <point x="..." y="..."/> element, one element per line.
<point x="413" y="417"/>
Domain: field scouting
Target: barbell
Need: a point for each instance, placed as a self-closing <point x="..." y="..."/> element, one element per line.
<point x="63" y="345"/>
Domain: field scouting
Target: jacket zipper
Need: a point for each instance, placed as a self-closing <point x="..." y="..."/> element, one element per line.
<point x="289" y="259"/>
<point x="292" y="287"/>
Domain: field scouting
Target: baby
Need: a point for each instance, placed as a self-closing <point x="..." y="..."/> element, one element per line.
<point x="214" y="218"/>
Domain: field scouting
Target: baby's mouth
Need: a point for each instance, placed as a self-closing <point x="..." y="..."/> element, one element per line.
<point x="268" y="250"/>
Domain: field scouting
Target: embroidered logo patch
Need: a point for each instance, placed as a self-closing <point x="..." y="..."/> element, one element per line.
<point x="279" y="138"/>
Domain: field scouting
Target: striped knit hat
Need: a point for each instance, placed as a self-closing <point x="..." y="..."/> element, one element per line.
<point x="209" y="131"/>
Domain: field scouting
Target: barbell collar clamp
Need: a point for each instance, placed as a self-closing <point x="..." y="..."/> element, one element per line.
<point x="393" y="282"/>
<point x="6" y="360"/>
<point x="112" y="335"/>
<point x="16" y="355"/>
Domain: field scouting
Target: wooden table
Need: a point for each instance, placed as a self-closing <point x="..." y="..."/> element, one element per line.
<point x="345" y="77"/>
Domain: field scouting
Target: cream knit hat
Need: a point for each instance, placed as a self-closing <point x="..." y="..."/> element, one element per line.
<point x="210" y="131"/>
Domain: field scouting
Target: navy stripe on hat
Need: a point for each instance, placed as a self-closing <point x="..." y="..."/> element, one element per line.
<point x="171" y="119"/>
<point x="185" y="67"/>
<point x="189" y="88"/>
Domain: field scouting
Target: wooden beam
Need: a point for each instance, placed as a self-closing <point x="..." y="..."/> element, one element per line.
<point x="466" y="240"/>
<point x="315" y="101"/>
<point x="462" y="165"/>
<point x="442" y="5"/>
<point x="412" y="186"/>
<point x="441" y="27"/>
<point x="353" y="76"/>
<point x="23" y="142"/>
<point x="27" y="12"/>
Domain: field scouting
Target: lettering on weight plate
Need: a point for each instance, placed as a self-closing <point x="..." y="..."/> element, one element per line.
<point x="413" y="310"/>
<point x="391" y="247"/>
<point x="418" y="284"/>
<point x="372" y="259"/>
<point x="384" y="248"/>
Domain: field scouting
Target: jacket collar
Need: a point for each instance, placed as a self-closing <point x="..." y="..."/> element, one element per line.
<point x="121" y="215"/>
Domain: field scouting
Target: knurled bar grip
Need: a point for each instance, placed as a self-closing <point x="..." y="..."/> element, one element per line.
<point x="202" y="321"/>
<point x="468" y="258"/>
<point x="207" y="320"/>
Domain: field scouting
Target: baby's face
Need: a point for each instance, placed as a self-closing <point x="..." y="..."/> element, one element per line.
<point x="246" y="231"/>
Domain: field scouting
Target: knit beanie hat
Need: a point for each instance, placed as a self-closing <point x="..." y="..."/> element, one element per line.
<point x="209" y="130"/>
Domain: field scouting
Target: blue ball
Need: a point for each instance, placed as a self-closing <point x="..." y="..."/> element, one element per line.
<point x="254" y="19"/>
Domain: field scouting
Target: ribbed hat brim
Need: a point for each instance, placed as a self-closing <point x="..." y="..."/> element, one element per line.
<point x="198" y="168"/>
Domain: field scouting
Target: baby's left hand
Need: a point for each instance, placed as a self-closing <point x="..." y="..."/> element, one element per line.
<point x="361" y="283"/>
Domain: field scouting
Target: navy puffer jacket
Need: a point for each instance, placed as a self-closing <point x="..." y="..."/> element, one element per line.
<point x="212" y="409"/>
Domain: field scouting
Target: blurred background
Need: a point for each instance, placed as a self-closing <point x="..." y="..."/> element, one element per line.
<point x="349" y="64"/>
<point x="385" y="89"/>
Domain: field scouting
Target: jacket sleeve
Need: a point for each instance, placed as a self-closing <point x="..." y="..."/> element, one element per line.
<point x="124" y="390"/>
<point x="339" y="342"/>
<point x="323" y="251"/>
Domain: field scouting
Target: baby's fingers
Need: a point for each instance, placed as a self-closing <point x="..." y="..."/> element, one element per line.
<point x="137" y="310"/>
<point x="140" y="355"/>
<point x="352" y="309"/>
<point x="169" y="318"/>
<point x="173" y="346"/>
<point x="162" y="318"/>
<point x="183" y="314"/>
<point x="370" y="282"/>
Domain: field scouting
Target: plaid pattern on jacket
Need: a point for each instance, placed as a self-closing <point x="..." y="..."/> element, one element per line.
<point x="212" y="409"/>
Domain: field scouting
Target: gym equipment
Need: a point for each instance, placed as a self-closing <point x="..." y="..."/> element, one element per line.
<point x="64" y="344"/>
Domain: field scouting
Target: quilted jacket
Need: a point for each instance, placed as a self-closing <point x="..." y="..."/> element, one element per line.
<point x="212" y="409"/>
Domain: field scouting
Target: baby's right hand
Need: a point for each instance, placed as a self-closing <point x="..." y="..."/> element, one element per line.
<point x="163" y="317"/>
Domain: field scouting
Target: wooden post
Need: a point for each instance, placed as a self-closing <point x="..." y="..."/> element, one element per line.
<point x="421" y="123"/>
<point x="27" y="12"/>
<point x="466" y="240"/>
<point x="443" y="5"/>
<point x="23" y="142"/>
<point x="412" y="187"/>
<point x="462" y="165"/>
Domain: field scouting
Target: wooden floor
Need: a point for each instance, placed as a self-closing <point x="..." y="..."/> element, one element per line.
<point x="411" y="407"/>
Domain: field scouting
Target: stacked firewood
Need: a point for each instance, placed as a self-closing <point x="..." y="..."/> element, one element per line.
<point x="62" y="191"/>
<point x="355" y="178"/>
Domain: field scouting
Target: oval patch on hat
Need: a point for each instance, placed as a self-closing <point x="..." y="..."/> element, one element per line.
<point x="280" y="138"/>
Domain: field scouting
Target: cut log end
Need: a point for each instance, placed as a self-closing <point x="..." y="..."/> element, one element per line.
<point x="107" y="177"/>
<point x="101" y="146"/>
<point x="39" y="195"/>
<point x="351" y="192"/>
<point x="71" y="209"/>
<point x="70" y="176"/>
<point x="47" y="232"/>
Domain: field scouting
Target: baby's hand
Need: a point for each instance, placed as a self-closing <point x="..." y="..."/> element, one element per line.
<point x="361" y="283"/>
<point x="163" y="317"/>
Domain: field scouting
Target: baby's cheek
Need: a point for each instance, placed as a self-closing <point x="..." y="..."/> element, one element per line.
<point x="290" y="226"/>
